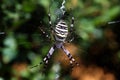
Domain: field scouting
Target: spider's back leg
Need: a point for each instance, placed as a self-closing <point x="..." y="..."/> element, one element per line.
<point x="72" y="60"/>
<point x="45" y="60"/>
<point x="48" y="56"/>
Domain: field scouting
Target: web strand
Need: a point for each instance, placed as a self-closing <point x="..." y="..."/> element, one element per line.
<point x="62" y="8"/>
<point x="113" y="22"/>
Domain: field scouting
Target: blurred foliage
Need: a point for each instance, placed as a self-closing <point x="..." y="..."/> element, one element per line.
<point x="23" y="45"/>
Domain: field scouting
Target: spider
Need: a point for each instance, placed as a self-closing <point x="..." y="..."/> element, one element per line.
<point x="60" y="33"/>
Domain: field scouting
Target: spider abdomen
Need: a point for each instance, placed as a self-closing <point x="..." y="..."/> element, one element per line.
<point x="61" y="31"/>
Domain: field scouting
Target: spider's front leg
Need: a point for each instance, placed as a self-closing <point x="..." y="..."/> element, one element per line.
<point x="44" y="33"/>
<point x="72" y="24"/>
<point x="72" y="60"/>
<point x="70" y="35"/>
<point x="50" y="22"/>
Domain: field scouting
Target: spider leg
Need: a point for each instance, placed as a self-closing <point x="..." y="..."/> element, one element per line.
<point x="72" y="60"/>
<point x="46" y="59"/>
<point x="45" y="34"/>
<point x="50" y="22"/>
<point x="70" y="38"/>
<point x="72" y="24"/>
<point x="71" y="29"/>
<point x="48" y="56"/>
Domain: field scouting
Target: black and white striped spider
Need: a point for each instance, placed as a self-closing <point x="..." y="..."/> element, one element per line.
<point x="60" y="33"/>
